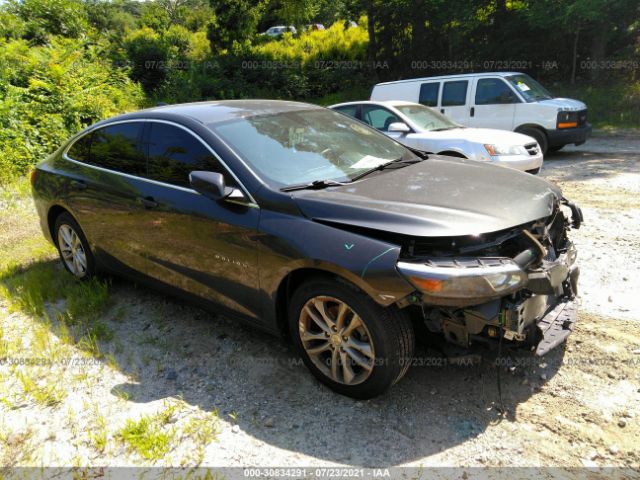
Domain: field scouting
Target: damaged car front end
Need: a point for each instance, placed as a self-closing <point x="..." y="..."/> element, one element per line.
<point x="520" y="283"/>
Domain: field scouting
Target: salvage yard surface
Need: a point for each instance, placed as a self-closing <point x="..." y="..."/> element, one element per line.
<point x="113" y="374"/>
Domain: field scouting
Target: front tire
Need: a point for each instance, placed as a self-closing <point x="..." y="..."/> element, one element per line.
<point x="349" y="342"/>
<point x="73" y="247"/>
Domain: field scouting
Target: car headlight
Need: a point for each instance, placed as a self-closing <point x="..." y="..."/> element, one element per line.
<point x="464" y="281"/>
<point x="497" y="150"/>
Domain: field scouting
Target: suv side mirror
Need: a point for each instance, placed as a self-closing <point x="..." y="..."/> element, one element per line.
<point x="210" y="184"/>
<point x="399" y="127"/>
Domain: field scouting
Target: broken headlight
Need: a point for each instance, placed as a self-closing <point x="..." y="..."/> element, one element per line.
<point x="464" y="280"/>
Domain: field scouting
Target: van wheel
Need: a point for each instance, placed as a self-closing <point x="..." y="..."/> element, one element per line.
<point x="349" y="342"/>
<point x="73" y="247"/>
<point x="539" y="137"/>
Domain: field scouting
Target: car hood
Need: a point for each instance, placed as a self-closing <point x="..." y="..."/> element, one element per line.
<point x="565" y="104"/>
<point x="480" y="135"/>
<point x="435" y="198"/>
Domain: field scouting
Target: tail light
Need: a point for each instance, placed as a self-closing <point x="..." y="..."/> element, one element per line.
<point x="34" y="176"/>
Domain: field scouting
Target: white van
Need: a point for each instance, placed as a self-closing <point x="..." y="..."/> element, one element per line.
<point x="504" y="100"/>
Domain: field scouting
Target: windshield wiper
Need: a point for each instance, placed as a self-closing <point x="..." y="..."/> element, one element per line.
<point x="398" y="162"/>
<point x="316" y="184"/>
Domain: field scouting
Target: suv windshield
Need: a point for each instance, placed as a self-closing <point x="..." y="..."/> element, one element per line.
<point x="425" y="118"/>
<point x="531" y="90"/>
<point x="304" y="146"/>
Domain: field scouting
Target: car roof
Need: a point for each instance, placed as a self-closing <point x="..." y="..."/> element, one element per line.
<point x="442" y="77"/>
<point x="384" y="103"/>
<point x="218" y="111"/>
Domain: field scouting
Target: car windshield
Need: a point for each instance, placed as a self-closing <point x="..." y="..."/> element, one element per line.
<point x="531" y="90"/>
<point x="426" y="118"/>
<point x="304" y="146"/>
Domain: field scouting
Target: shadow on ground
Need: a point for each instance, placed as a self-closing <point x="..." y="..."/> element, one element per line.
<point x="215" y="363"/>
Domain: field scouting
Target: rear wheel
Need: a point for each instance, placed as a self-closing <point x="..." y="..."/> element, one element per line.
<point x="539" y="137"/>
<point x="73" y="247"/>
<point x="350" y="343"/>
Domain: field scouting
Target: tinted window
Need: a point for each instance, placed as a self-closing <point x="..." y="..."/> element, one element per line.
<point x="378" y="117"/>
<point x="80" y="149"/>
<point x="174" y="153"/>
<point x="351" y="110"/>
<point x="454" y="93"/>
<point x="429" y="94"/>
<point x="493" y="90"/>
<point x="118" y="148"/>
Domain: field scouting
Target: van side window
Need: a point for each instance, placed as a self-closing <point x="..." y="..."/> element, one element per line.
<point x="80" y="149"/>
<point x="429" y="94"/>
<point x="174" y="153"/>
<point x="454" y="93"/>
<point x="378" y="117"/>
<point x="118" y="147"/>
<point x="490" y="91"/>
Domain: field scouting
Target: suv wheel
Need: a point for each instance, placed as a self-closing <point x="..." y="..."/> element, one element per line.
<point x="73" y="247"/>
<point x="350" y="343"/>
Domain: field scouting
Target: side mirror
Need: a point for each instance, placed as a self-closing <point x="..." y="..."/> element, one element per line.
<point x="210" y="184"/>
<point x="399" y="127"/>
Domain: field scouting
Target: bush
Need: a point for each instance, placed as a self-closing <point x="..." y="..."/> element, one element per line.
<point x="47" y="93"/>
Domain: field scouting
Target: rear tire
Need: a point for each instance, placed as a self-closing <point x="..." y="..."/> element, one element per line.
<point x="350" y="343"/>
<point x="539" y="137"/>
<point x="73" y="247"/>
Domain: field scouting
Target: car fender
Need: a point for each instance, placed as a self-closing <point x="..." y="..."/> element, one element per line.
<point x="289" y="243"/>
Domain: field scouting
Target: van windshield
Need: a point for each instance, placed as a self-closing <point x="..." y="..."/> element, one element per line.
<point x="531" y="90"/>
<point x="426" y="118"/>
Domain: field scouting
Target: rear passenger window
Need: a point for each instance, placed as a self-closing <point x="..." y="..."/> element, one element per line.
<point x="491" y="91"/>
<point x="80" y="149"/>
<point x="174" y="153"/>
<point x="118" y="148"/>
<point x="351" y="110"/>
<point x="454" y="93"/>
<point x="429" y="94"/>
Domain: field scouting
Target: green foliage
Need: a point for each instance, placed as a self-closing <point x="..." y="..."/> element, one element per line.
<point x="236" y="22"/>
<point x="48" y="93"/>
<point x="51" y="17"/>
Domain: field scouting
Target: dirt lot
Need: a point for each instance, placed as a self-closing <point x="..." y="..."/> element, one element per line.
<point x="168" y="384"/>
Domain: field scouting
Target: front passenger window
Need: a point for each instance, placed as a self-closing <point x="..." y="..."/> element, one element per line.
<point x="378" y="117"/>
<point x="174" y="153"/>
<point x="491" y="91"/>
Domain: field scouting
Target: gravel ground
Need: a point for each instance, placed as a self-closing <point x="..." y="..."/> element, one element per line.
<point x="578" y="406"/>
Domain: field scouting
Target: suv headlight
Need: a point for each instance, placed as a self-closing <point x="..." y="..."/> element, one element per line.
<point x="464" y="281"/>
<point x="497" y="150"/>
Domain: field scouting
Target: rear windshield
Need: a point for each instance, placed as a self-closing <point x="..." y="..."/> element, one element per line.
<point x="531" y="90"/>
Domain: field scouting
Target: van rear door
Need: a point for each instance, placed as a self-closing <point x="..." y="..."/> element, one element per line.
<point x="493" y="104"/>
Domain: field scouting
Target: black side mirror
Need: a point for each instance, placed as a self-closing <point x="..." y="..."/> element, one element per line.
<point x="210" y="184"/>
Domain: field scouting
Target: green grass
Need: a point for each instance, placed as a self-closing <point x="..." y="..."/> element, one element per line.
<point x="149" y="436"/>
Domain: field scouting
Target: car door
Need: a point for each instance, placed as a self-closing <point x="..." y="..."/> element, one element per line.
<point x="204" y="247"/>
<point x="108" y="164"/>
<point x="453" y="101"/>
<point x="493" y="105"/>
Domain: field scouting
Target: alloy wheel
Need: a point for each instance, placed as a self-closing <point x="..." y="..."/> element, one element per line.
<point x="72" y="251"/>
<point x="336" y="340"/>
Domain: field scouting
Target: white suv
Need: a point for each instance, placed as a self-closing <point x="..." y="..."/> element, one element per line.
<point x="423" y="128"/>
<point x="504" y="100"/>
